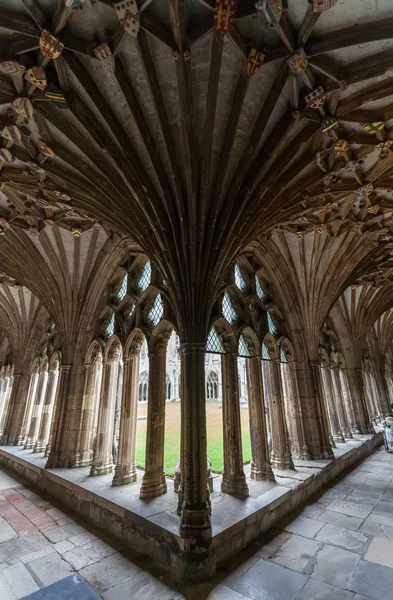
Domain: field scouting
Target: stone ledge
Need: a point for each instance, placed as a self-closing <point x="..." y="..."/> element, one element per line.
<point x="150" y="528"/>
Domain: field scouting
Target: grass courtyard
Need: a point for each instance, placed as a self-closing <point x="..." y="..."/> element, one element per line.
<point x="215" y="450"/>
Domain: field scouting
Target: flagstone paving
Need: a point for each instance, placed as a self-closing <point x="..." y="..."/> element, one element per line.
<point x="340" y="547"/>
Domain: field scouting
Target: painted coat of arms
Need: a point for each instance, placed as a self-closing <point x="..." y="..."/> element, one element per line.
<point x="50" y="46"/>
<point x="270" y="9"/>
<point x="316" y="98"/>
<point x="128" y="15"/>
<point x="224" y="13"/>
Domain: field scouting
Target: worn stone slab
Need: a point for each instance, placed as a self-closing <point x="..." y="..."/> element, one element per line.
<point x="58" y="534"/>
<point x="6" y="531"/>
<point x="266" y="580"/>
<point x="236" y="574"/>
<point x="146" y="588"/>
<point x="373" y="581"/>
<point x="64" y="546"/>
<point x="317" y="590"/>
<point x="21" y="546"/>
<point x="381" y="551"/>
<point x="26" y="558"/>
<point x="340" y="519"/>
<point x="364" y="498"/>
<point x="270" y="549"/>
<point x="335" y="566"/>
<point x="109" y="571"/>
<point x="86" y="555"/>
<point x="70" y="588"/>
<point x="50" y="568"/>
<point x="340" y="536"/>
<point x="384" y="508"/>
<point x="296" y="553"/>
<point x="20" y="580"/>
<point x="352" y="509"/>
<point x="304" y="526"/>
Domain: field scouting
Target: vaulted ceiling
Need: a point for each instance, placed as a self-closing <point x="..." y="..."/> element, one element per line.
<point x="203" y="130"/>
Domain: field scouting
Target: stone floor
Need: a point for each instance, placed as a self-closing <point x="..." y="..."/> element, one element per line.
<point x="340" y="547"/>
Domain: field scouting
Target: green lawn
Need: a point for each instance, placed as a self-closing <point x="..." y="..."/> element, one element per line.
<point x="172" y="436"/>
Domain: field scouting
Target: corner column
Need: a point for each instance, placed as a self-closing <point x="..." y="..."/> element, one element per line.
<point x="154" y="482"/>
<point x="233" y="477"/>
<point x="261" y="468"/>
<point x="281" y="455"/>
<point x="125" y="471"/>
<point x="195" y="525"/>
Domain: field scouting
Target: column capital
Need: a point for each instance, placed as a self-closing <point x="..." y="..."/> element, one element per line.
<point x="193" y="347"/>
<point x="65" y="367"/>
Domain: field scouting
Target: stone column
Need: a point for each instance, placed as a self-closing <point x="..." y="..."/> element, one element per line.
<point x="293" y="412"/>
<point x="61" y="449"/>
<point x="91" y="398"/>
<point x="125" y="471"/>
<point x="373" y="394"/>
<point x="28" y="409"/>
<point x="6" y="402"/>
<point x="37" y="411"/>
<point x="281" y="455"/>
<point x="261" y="468"/>
<point x="47" y="411"/>
<point x="331" y="406"/>
<point x="103" y="458"/>
<point x="314" y="419"/>
<point x="154" y="482"/>
<point x="233" y="477"/>
<point x="3" y="390"/>
<point x="14" y="418"/>
<point x="339" y="403"/>
<point x="354" y="401"/>
<point x="382" y="392"/>
<point x="195" y="526"/>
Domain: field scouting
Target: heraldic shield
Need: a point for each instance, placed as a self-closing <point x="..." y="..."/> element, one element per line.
<point x="128" y="15"/>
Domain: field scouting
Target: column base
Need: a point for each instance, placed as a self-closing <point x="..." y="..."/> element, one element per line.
<point x="152" y="489"/>
<point x="355" y="430"/>
<point x="236" y="487"/>
<point x="339" y="439"/>
<point x="39" y="447"/>
<point x="264" y="474"/>
<point x="29" y="445"/>
<point x="283" y="464"/>
<point x="348" y="434"/>
<point x="21" y="441"/>
<point x="47" y="451"/>
<point x="101" y="470"/>
<point x="123" y="478"/>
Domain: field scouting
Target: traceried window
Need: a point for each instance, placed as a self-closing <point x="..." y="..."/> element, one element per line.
<point x="258" y="288"/>
<point x="228" y="310"/>
<point x="283" y="358"/>
<point x="110" y="328"/>
<point x="239" y="279"/>
<point x="145" y="279"/>
<point x="265" y="353"/>
<point x="157" y="310"/>
<point x="243" y="347"/>
<point x="270" y="324"/>
<point x="121" y="294"/>
<point x="214" y="342"/>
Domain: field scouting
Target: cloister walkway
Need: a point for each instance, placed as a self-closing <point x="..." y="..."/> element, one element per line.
<point x="340" y="547"/>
